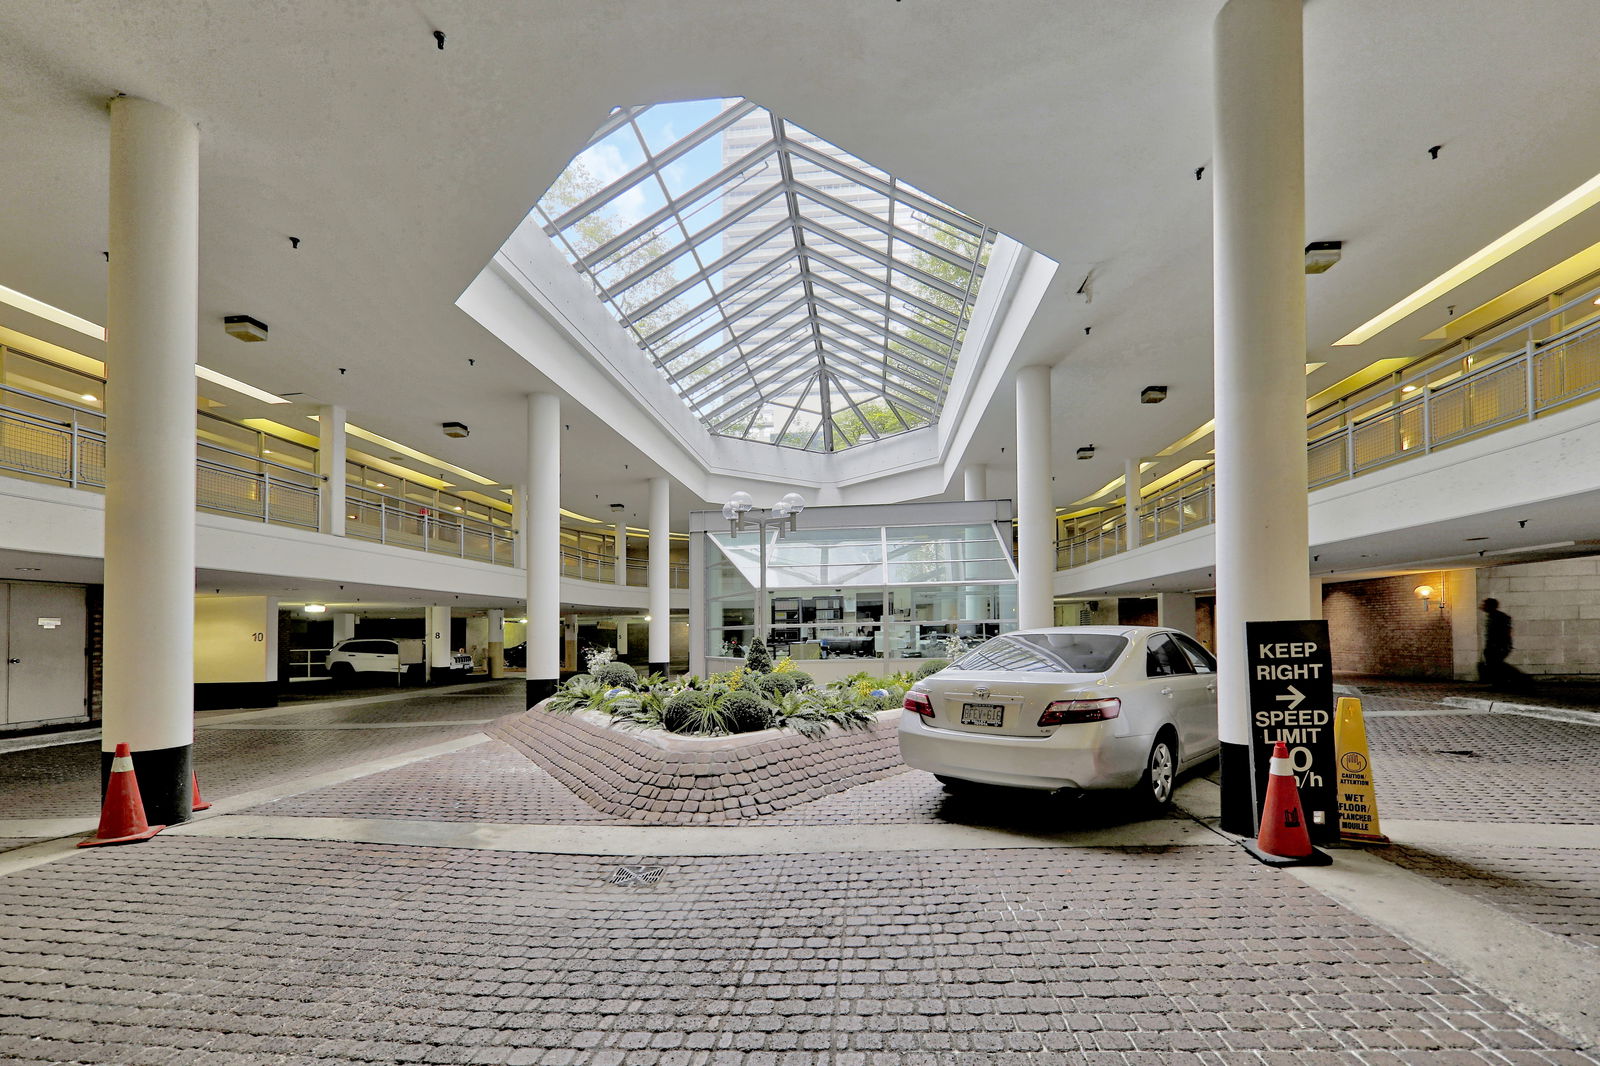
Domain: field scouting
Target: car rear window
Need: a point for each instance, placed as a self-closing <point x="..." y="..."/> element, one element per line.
<point x="1072" y="653"/>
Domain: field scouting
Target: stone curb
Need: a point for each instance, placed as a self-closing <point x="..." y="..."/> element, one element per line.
<point x="1527" y="710"/>
<point x="671" y="780"/>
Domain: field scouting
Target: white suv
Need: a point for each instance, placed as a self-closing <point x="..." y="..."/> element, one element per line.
<point x="363" y="656"/>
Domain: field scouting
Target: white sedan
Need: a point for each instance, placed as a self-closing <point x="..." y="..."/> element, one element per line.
<point x="1074" y="708"/>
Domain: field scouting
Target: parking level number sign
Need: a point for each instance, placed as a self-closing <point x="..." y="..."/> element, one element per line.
<point x="1291" y="699"/>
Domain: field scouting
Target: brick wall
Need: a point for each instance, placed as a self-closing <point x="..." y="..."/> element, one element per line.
<point x="1555" y="613"/>
<point x="1380" y="627"/>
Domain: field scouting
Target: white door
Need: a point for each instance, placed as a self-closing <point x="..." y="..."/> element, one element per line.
<point x="45" y="665"/>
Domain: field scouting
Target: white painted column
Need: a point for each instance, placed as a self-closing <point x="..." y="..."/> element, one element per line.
<point x="620" y="545"/>
<point x="1176" y="611"/>
<point x="660" y="575"/>
<point x="495" y="643"/>
<point x="1036" y="513"/>
<point x="436" y="638"/>
<point x="541" y="528"/>
<point x="152" y="310"/>
<point x="622" y="635"/>
<point x="344" y="626"/>
<point x="519" y="507"/>
<point x="1131" y="483"/>
<point x="331" y="467"/>
<point x="1260" y="347"/>
<point x="975" y="482"/>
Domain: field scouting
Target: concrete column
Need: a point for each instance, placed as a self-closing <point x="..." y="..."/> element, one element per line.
<point x="1131" y="483"/>
<point x="620" y="545"/>
<point x="976" y="482"/>
<point x="495" y="643"/>
<point x="519" y="507"/>
<point x="331" y="467"/>
<point x="1176" y="611"/>
<point x="541" y="528"/>
<point x="152" y="310"/>
<point x="1461" y="600"/>
<point x="622" y="635"/>
<point x="660" y="575"/>
<point x="1036" y="513"/>
<point x="1260" y="347"/>
<point x="344" y="626"/>
<point x="235" y="652"/>
<point x="436" y="640"/>
<point x="1314" y="603"/>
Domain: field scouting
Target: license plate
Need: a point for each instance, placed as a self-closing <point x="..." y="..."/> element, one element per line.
<point x="990" y="714"/>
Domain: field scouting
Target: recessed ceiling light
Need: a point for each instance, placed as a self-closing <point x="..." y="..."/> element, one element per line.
<point x="1153" y="394"/>
<point x="23" y="302"/>
<point x="245" y="328"/>
<point x="28" y="569"/>
<point x="1477" y="538"/>
<point x="219" y="378"/>
<point x="1086" y="452"/>
<point x="89" y="397"/>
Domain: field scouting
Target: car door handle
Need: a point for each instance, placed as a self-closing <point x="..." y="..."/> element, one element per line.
<point x="14" y="662"/>
<point x="1211" y="688"/>
<point x="1167" y="691"/>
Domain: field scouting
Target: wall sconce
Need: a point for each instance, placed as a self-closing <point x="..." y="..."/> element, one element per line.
<point x="1426" y="593"/>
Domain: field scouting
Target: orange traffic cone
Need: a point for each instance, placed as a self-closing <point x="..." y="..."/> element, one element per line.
<point x="198" y="804"/>
<point x="122" y="814"/>
<point x="1282" y="839"/>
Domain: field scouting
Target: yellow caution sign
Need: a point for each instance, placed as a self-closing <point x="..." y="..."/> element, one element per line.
<point x="1358" y="800"/>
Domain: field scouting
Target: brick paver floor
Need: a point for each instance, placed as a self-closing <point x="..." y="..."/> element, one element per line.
<point x="346" y="953"/>
<point x="1555" y="889"/>
<point x="1485" y="768"/>
<point x="1574" y="694"/>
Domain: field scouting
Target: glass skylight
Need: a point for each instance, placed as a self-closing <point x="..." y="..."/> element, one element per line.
<point x="791" y="293"/>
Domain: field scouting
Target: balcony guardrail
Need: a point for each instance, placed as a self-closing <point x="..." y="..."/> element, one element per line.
<point x="1513" y="377"/>
<point x="401" y="523"/>
<point x="589" y="566"/>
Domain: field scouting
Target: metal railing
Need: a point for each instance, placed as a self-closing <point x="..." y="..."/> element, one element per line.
<point x="308" y="664"/>
<point x="47" y="440"/>
<point x="589" y="566"/>
<point x="1512" y="378"/>
<point x="402" y="523"/>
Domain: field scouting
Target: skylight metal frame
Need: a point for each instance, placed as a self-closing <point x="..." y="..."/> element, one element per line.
<point x="844" y="306"/>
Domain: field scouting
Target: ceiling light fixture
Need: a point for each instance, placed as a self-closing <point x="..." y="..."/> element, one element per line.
<point x="456" y="430"/>
<point x="245" y="328"/>
<point x="1320" y="255"/>
<point x="24" y="302"/>
<point x="1086" y="452"/>
<point x="316" y="608"/>
<point x="219" y="378"/>
<point x="1563" y="210"/>
<point x="1153" y="394"/>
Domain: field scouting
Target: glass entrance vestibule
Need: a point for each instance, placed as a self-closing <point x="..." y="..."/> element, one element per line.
<point x="893" y="584"/>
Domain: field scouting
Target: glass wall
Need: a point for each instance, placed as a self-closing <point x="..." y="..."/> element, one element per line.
<point x="889" y="591"/>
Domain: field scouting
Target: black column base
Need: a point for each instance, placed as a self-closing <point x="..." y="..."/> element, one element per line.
<point x="541" y="690"/>
<point x="658" y="668"/>
<point x="166" y="782"/>
<point x="1238" y="791"/>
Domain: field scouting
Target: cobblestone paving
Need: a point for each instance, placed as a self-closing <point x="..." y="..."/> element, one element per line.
<point x="64" y="781"/>
<point x="1576" y="695"/>
<point x="1504" y="768"/>
<point x="488" y="782"/>
<point x="11" y="843"/>
<point x="336" y="953"/>
<point x="1556" y="889"/>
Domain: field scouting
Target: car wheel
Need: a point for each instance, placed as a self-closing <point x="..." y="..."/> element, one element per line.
<point x="1160" y="773"/>
<point x="341" y="672"/>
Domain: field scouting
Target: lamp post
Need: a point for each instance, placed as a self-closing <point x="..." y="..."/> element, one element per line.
<point x="742" y="513"/>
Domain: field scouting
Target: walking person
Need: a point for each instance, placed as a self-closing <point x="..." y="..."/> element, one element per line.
<point x="1496" y="646"/>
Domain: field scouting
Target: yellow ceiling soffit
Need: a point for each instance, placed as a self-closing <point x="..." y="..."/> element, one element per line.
<point x="420" y="456"/>
<point x="1375" y="371"/>
<point x="278" y="429"/>
<point x="52" y="353"/>
<point x="1563" y="210"/>
<point x="1558" y="277"/>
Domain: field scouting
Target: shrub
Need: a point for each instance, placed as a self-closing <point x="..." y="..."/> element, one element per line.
<point x="803" y="679"/>
<point x="779" y="684"/>
<point x="932" y="666"/>
<point x="757" y="658"/>
<point x="744" y="712"/>
<point x="685" y="712"/>
<point x="620" y="674"/>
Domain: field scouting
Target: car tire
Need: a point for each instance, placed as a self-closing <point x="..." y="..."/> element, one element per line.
<point x="342" y="672"/>
<point x="1160" y="774"/>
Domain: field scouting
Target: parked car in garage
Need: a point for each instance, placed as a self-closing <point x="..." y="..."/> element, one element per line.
<point x="368" y="655"/>
<point x="1074" y="708"/>
<point x="516" y="656"/>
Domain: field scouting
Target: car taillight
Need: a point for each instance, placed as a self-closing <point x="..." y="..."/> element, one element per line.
<point x="919" y="703"/>
<point x="1063" y="711"/>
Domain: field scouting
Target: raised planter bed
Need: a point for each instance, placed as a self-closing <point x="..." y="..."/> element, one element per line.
<point x="665" y="779"/>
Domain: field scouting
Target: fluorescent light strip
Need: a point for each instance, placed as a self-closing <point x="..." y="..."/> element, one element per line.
<point x="24" y="302"/>
<point x="1563" y="210"/>
<point x="217" y="378"/>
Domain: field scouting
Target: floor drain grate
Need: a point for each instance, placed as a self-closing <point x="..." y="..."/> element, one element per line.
<point x="629" y="876"/>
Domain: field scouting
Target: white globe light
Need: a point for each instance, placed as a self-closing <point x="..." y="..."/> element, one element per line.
<point x="779" y="510"/>
<point x="728" y="512"/>
<point x="794" y="502"/>
<point x="741" y="501"/>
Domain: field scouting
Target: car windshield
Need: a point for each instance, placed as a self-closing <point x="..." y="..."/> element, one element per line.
<point x="1072" y="653"/>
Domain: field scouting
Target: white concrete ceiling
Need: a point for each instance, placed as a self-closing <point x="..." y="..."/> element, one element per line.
<point x="1073" y="125"/>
